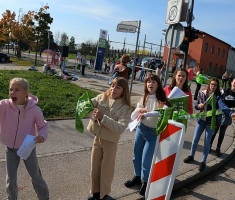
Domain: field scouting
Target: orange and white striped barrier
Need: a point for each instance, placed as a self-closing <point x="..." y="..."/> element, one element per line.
<point x="165" y="162"/>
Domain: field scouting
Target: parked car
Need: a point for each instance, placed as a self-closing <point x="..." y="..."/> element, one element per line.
<point x="4" y="58"/>
<point x="148" y="60"/>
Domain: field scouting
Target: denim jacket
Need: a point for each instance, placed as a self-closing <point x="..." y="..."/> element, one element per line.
<point x="219" y="105"/>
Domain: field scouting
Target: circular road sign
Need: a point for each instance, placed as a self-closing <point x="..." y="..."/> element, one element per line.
<point x="178" y="35"/>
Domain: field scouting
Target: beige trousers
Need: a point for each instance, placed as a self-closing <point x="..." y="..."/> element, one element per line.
<point x="102" y="166"/>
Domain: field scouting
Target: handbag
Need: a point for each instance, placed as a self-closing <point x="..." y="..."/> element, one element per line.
<point x="114" y="75"/>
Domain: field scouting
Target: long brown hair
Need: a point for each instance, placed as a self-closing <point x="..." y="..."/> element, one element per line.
<point x="124" y="84"/>
<point x="217" y="91"/>
<point x="160" y="93"/>
<point x="173" y="82"/>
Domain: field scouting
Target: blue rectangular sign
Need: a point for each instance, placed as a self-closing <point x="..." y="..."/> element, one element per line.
<point x="99" y="58"/>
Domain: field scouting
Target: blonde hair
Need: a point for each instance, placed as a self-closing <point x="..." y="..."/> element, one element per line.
<point x="124" y="84"/>
<point x="24" y="83"/>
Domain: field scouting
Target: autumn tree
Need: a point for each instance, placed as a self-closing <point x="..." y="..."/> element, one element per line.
<point x="41" y="24"/>
<point x="7" y="26"/>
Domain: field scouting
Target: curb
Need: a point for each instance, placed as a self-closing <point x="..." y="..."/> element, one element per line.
<point x="193" y="175"/>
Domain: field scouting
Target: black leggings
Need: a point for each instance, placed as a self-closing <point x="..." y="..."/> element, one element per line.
<point x="222" y="131"/>
<point x="197" y="90"/>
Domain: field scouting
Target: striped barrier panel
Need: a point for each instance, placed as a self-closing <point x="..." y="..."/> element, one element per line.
<point x="165" y="162"/>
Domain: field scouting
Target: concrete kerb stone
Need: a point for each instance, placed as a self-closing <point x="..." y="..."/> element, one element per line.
<point x="193" y="175"/>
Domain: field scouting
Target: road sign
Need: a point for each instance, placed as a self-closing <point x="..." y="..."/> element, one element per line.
<point x="126" y="28"/>
<point x="132" y="23"/>
<point x="178" y="36"/>
<point x="173" y="11"/>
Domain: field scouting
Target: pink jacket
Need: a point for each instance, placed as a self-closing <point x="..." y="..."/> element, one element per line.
<point x="15" y="123"/>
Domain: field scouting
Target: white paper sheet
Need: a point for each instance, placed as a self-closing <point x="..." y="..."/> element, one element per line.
<point x="176" y="92"/>
<point x="27" y="147"/>
<point x="133" y="125"/>
<point x="151" y="114"/>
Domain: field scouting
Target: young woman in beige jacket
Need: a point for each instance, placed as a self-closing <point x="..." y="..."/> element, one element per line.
<point x="109" y="120"/>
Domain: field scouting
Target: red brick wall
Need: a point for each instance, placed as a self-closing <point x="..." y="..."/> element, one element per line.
<point x="203" y="59"/>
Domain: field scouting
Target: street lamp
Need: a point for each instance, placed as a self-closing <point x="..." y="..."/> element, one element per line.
<point x="48" y="45"/>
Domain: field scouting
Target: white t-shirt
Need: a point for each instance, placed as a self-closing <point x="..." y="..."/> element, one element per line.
<point x="151" y="105"/>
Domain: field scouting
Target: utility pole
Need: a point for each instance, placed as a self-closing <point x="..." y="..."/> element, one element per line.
<point x="144" y="46"/>
<point x="189" y="25"/>
<point x="160" y="49"/>
<point x="134" y="64"/>
<point x="124" y="44"/>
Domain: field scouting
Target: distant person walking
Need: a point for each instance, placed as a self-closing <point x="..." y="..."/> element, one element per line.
<point x="163" y="73"/>
<point x="199" y="81"/>
<point x="191" y="74"/>
<point x="158" y="70"/>
<point x="224" y="80"/>
<point x="122" y="67"/>
<point x="84" y="63"/>
<point x="230" y="79"/>
<point x="79" y="57"/>
<point x="92" y="61"/>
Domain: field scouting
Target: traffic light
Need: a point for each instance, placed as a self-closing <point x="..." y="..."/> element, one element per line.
<point x="193" y="35"/>
<point x="185" y="43"/>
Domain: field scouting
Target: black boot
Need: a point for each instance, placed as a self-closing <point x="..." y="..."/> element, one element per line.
<point x="143" y="189"/>
<point x="94" y="196"/>
<point x="189" y="159"/>
<point x="217" y="152"/>
<point x="134" y="181"/>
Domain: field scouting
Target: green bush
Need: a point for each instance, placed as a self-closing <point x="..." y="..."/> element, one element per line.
<point x="57" y="98"/>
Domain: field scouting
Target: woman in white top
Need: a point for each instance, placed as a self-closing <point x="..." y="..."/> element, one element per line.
<point x="145" y="138"/>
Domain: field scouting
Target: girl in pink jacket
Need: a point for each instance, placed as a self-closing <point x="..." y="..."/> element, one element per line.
<point x="20" y="116"/>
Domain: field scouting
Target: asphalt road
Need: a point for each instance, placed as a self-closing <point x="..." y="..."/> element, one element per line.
<point x="219" y="185"/>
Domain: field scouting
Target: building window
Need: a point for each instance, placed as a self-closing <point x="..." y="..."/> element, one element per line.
<point x="210" y="67"/>
<point x="215" y="70"/>
<point x="206" y="47"/>
<point x="223" y="53"/>
<point x="221" y="69"/>
<point x="218" y="51"/>
<point x="192" y="63"/>
<point x="212" y="49"/>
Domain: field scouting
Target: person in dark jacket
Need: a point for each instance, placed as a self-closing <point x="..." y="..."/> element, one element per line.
<point x="229" y="99"/>
<point x="205" y="123"/>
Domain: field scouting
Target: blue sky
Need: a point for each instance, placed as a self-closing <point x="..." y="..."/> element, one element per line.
<point x="83" y="19"/>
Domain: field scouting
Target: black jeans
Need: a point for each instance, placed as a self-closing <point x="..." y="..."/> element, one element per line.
<point x="222" y="130"/>
<point x="197" y="90"/>
<point x="83" y="69"/>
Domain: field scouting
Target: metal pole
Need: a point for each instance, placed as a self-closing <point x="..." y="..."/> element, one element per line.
<point x="189" y="24"/>
<point x="169" y="57"/>
<point x="160" y="49"/>
<point x="124" y="44"/>
<point x="48" y="45"/>
<point x="144" y="45"/>
<point x="133" y="67"/>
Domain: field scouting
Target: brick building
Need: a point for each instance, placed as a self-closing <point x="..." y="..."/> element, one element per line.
<point x="206" y="52"/>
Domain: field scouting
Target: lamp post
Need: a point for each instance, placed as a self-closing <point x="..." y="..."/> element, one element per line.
<point x="48" y="45"/>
